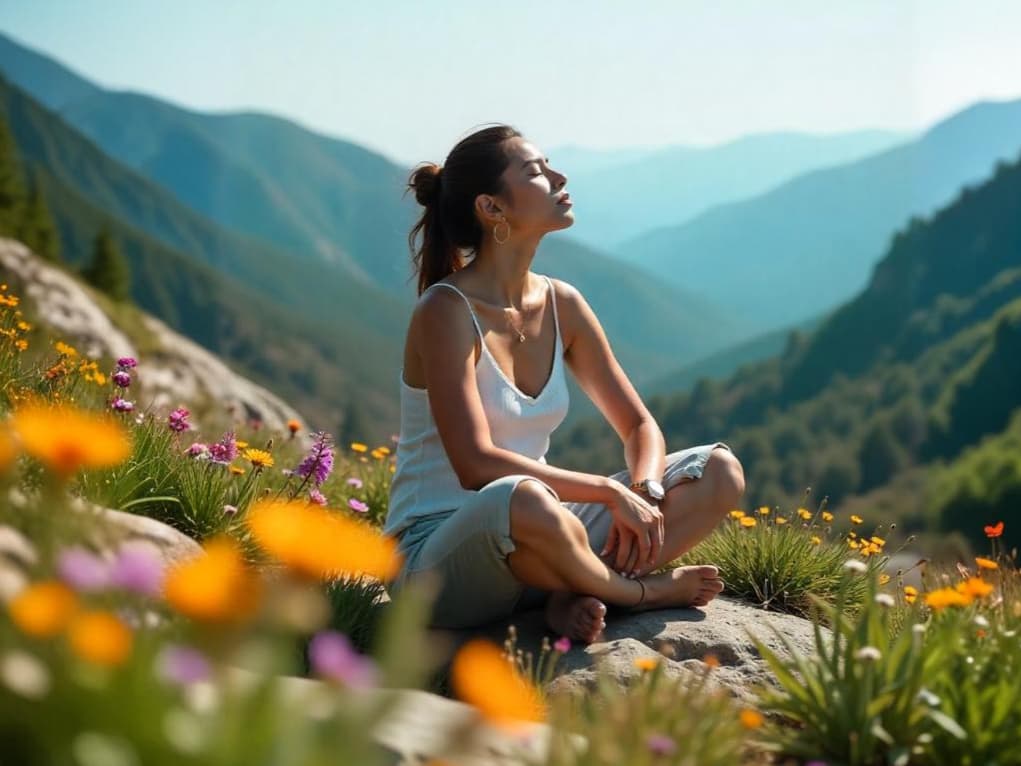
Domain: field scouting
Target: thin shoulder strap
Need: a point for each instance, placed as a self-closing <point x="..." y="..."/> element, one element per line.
<point x="553" y="298"/>
<point x="470" y="309"/>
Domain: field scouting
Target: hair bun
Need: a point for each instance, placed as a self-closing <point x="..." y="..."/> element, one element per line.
<point x="426" y="182"/>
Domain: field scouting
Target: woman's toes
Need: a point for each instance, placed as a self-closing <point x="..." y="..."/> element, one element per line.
<point x="708" y="571"/>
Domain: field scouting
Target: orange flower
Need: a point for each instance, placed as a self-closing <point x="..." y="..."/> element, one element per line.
<point x="944" y="597"/>
<point x="293" y="426"/>
<point x="67" y="439"/>
<point x="100" y="638"/>
<point x="711" y="661"/>
<point x="975" y="587"/>
<point x="646" y="663"/>
<point x="43" y="609"/>
<point x="986" y="563"/>
<point x="751" y="719"/>
<point x="995" y="530"/>
<point x="482" y="676"/>
<point x="320" y="543"/>
<point x="215" y="586"/>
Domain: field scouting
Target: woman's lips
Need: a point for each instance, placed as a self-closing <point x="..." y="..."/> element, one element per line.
<point x="566" y="200"/>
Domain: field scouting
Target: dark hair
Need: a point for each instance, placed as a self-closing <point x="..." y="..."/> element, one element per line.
<point x="448" y="224"/>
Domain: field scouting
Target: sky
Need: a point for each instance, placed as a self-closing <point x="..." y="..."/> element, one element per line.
<point x="409" y="78"/>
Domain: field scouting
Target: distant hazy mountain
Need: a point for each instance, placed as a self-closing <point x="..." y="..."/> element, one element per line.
<point x="804" y="247"/>
<point x="617" y="197"/>
<point x="571" y="159"/>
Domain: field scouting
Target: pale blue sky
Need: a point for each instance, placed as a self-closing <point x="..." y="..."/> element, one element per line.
<point x="409" y="78"/>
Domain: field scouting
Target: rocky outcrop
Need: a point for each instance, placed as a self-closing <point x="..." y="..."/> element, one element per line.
<point x="177" y="372"/>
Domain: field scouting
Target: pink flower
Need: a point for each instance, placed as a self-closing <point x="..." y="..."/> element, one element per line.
<point x="177" y="420"/>
<point x="122" y="405"/>
<point x="127" y="362"/>
<point x="138" y="568"/>
<point x="661" y="744"/>
<point x="355" y="482"/>
<point x="82" y="569"/>
<point x="331" y="656"/>
<point x="357" y="505"/>
<point x="121" y="379"/>
<point x="182" y="665"/>
<point x="317" y="497"/>
<point x="562" y="645"/>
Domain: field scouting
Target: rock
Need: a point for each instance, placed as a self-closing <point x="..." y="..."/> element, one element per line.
<point x="175" y="372"/>
<point x="682" y="638"/>
<point x="118" y="527"/>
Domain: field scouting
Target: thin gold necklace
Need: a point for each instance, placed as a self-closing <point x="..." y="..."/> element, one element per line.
<point x="521" y="335"/>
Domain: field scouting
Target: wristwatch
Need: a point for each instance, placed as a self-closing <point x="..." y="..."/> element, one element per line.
<point x="650" y="487"/>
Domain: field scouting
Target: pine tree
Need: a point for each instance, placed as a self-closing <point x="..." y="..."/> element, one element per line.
<point x="37" y="228"/>
<point x="108" y="269"/>
<point x="12" y="185"/>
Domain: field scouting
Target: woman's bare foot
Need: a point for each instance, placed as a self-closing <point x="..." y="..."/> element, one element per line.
<point x="681" y="587"/>
<point x="580" y="618"/>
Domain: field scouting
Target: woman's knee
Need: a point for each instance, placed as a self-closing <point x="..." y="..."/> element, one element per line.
<point x="726" y="473"/>
<point x="536" y="512"/>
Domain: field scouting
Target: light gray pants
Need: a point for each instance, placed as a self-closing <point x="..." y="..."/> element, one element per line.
<point x="468" y="546"/>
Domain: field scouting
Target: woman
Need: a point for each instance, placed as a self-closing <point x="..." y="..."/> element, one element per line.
<point x="473" y="499"/>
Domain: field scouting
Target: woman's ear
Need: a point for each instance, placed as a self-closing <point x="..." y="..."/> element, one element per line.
<point x="488" y="208"/>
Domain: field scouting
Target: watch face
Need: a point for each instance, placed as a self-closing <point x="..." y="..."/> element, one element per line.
<point x="656" y="489"/>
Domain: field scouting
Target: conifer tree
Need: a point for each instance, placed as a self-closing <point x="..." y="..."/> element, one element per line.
<point x="37" y="228"/>
<point x="108" y="270"/>
<point x="12" y="185"/>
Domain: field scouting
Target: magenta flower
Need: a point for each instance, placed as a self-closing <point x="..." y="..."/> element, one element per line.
<point x="122" y="405"/>
<point x="178" y="420"/>
<point x="230" y="510"/>
<point x="354" y="481"/>
<point x="197" y="450"/>
<point x="225" y="450"/>
<point x="182" y="665"/>
<point x="331" y="656"/>
<point x="562" y="644"/>
<point x="357" y="505"/>
<point x="138" y="568"/>
<point x="317" y="497"/>
<point x="127" y="362"/>
<point x="82" y="569"/>
<point x="121" y="379"/>
<point x="661" y="744"/>
<point x="318" y="463"/>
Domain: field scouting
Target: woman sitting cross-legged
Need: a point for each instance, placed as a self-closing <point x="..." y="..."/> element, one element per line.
<point x="483" y="385"/>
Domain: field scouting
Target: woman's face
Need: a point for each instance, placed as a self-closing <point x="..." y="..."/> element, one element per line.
<point x="533" y="188"/>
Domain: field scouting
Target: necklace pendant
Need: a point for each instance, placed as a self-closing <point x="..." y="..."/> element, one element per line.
<point x="521" y="337"/>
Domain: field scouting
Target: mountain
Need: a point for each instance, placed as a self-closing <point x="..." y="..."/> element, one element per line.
<point x="800" y="249"/>
<point x="617" y="199"/>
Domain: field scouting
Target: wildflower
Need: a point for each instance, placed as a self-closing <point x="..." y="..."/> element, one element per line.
<point x="21" y="344"/>
<point x="225" y="450"/>
<point x="177" y="420"/>
<point x="43" y="609"/>
<point x="182" y="665"/>
<point x="355" y="482"/>
<point x="122" y="405"/>
<point x="995" y="530"/>
<point x="318" y="463"/>
<point x="815" y="540"/>
<point x="316" y="497"/>
<point x="384" y="450"/>
<point x="562" y="644"/>
<point x="764" y="510"/>
<point x="358" y="447"/>
<point x="198" y="451"/>
<point x="482" y="676"/>
<point x="66" y="439"/>
<point x="332" y="656"/>
<point x="975" y="587"/>
<point x="884" y="579"/>
<point x="127" y="362"/>
<point x="910" y="594"/>
<point x="711" y="661"/>
<point x="855" y="519"/>
<point x="258" y="458"/>
<point x="660" y="744"/>
<point x="241" y="444"/>
<point x="377" y="454"/>
<point x="236" y="470"/>
<point x="737" y="514"/>
<point x="927" y="697"/>
<point x="853" y="565"/>
<point x="64" y="349"/>
<point x="780" y="521"/>
<point x="852" y="544"/>
<point x="868" y="654"/>
<point x="121" y="379"/>
<point x="230" y="510"/>
<point x="944" y="597"/>
<point x="320" y="544"/>
<point x="646" y="663"/>
<point x="138" y="568"/>
<point x="827" y="516"/>
<point x="884" y="599"/>
<point x="751" y="719"/>
<point x="215" y="586"/>
<point x="82" y="569"/>
<point x="804" y="513"/>
<point x="986" y="563"/>
<point x="357" y="505"/>
<point x="878" y="541"/>
<point x="100" y="638"/>
<point x="748" y="521"/>
<point x="293" y="426"/>
<point x="24" y="675"/>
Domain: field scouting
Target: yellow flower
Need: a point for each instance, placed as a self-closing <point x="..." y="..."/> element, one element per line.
<point x="816" y="540"/>
<point x="780" y="520"/>
<point x="944" y="597"/>
<point x="737" y="514"/>
<point x="67" y="439"/>
<point x="827" y="516"/>
<point x="240" y="444"/>
<point x="393" y="469"/>
<point x="21" y="344"/>
<point x="975" y="587"/>
<point x="65" y="350"/>
<point x="986" y="563"/>
<point x="100" y="638"/>
<point x="857" y="519"/>
<point x="358" y="447"/>
<point x="751" y="719"/>
<point x="878" y="541"/>
<point x="215" y="586"/>
<point x="748" y="521"/>
<point x="258" y="458"/>
<point x="377" y="454"/>
<point x="646" y="663"/>
<point x="43" y="609"/>
<point x="764" y="510"/>
<point x="910" y="594"/>
<point x="320" y="543"/>
<point x="384" y="450"/>
<point x="852" y="544"/>
<point x="804" y="513"/>
<point x="884" y="579"/>
<point x="482" y="676"/>
<point x="236" y="470"/>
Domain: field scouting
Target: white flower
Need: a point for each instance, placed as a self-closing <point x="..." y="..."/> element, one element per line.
<point x="928" y="697"/>
<point x="885" y="599"/>
<point x="918" y="628"/>
<point x="854" y="565"/>
<point x="25" y="675"/>
<point x="868" y="654"/>
<point x="981" y="621"/>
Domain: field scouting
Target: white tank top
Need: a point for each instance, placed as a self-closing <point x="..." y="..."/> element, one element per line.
<point x="424" y="480"/>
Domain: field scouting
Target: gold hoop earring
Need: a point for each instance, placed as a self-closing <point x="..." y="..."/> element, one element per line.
<point x="504" y="240"/>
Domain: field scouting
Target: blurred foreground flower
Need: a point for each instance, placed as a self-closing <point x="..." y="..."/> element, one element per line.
<point x="322" y="544"/>
<point x="483" y="677"/>
<point x="332" y="656"/>
<point x="100" y="638"/>
<point x="216" y="586"/>
<point x="66" y="439"/>
<point x="43" y="609"/>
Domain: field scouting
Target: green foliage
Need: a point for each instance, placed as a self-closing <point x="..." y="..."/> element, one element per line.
<point x="108" y="269"/>
<point x="12" y="184"/>
<point x="38" y="230"/>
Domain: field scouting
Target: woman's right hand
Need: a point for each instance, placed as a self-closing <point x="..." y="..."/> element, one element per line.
<point x="636" y="531"/>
